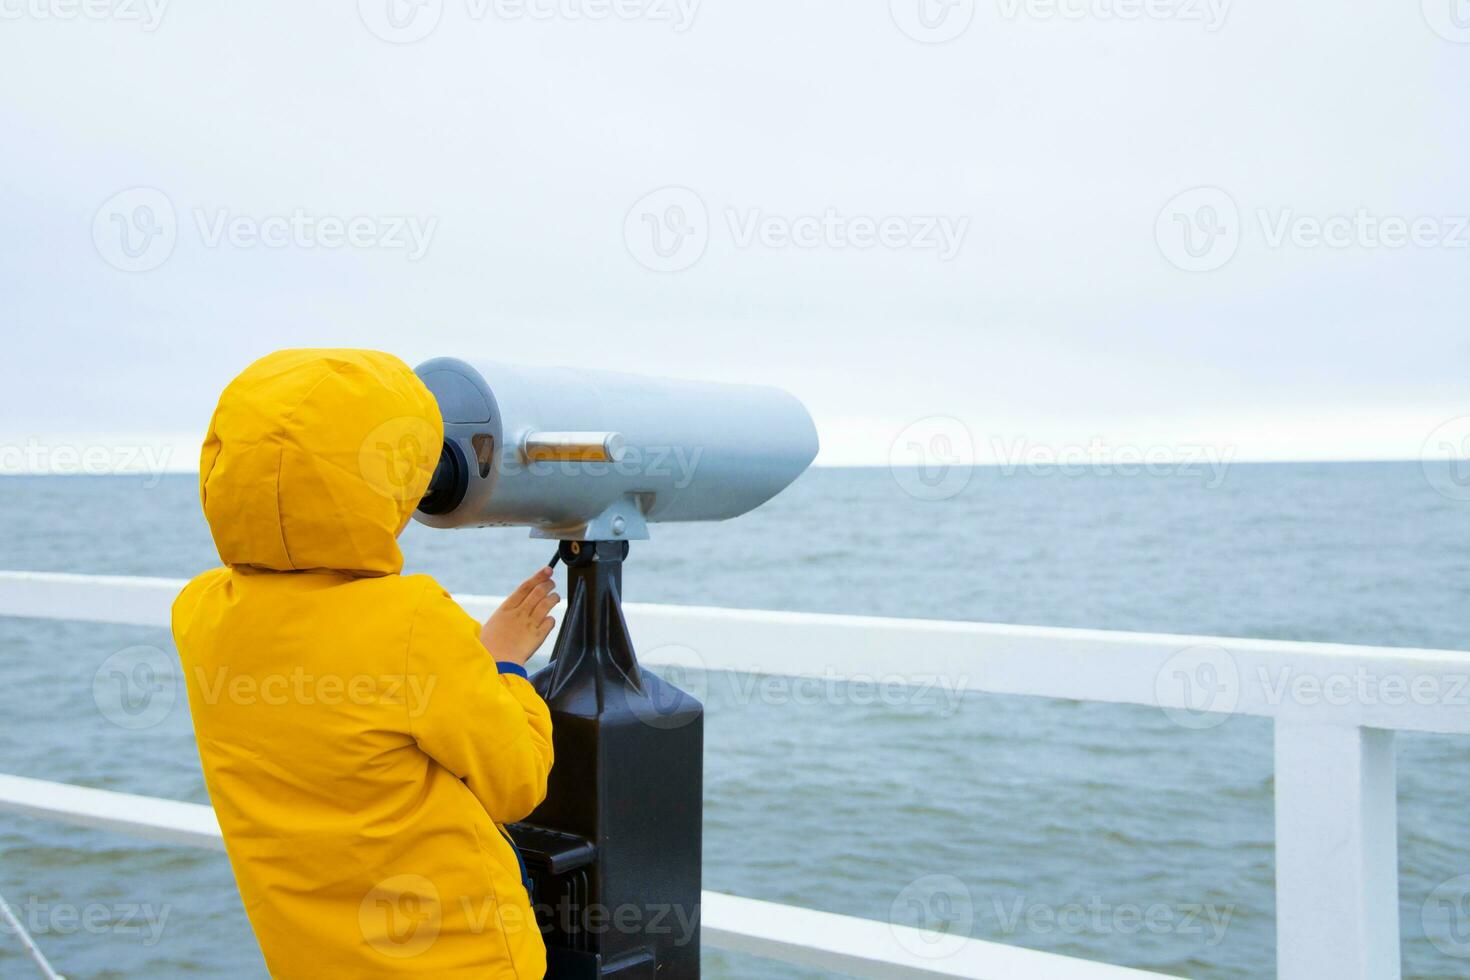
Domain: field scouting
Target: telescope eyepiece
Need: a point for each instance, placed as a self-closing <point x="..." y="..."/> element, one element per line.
<point x="450" y="482"/>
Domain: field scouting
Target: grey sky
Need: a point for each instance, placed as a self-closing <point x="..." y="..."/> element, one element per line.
<point x="1046" y="140"/>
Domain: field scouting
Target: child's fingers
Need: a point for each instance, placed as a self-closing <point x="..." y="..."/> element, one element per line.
<point x="545" y="606"/>
<point x="521" y="591"/>
<point x="531" y="590"/>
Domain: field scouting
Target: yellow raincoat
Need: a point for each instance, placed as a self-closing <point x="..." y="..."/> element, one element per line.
<point x="361" y="749"/>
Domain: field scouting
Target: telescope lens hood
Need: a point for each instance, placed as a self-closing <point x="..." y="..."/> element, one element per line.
<point x="449" y="483"/>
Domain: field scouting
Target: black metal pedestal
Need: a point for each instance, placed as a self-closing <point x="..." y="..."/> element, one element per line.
<point x="614" y="851"/>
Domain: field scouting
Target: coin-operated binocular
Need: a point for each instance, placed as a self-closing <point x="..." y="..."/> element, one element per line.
<point x="592" y="458"/>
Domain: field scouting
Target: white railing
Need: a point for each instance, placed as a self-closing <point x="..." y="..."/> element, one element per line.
<point x="1335" y="709"/>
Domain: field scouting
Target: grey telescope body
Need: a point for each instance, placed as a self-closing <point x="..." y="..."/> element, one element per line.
<point x="599" y="455"/>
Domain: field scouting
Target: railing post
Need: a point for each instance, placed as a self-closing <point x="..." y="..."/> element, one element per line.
<point x="1337" y="909"/>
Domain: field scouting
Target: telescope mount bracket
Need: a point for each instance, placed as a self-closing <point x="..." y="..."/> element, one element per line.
<point x="623" y="520"/>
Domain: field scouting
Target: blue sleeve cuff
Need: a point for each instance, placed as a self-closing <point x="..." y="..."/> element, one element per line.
<point x="506" y="667"/>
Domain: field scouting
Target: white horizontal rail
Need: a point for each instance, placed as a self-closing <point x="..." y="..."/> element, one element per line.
<point x="164" y="821"/>
<point x="1394" y="688"/>
<point x="859" y="947"/>
<point x="864" y="948"/>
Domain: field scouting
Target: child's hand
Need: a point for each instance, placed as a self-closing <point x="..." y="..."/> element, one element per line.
<point x="519" y="627"/>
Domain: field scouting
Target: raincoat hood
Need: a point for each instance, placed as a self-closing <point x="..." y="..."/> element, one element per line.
<point x="316" y="459"/>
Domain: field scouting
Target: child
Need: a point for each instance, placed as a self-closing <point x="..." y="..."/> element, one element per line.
<point x="362" y="747"/>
